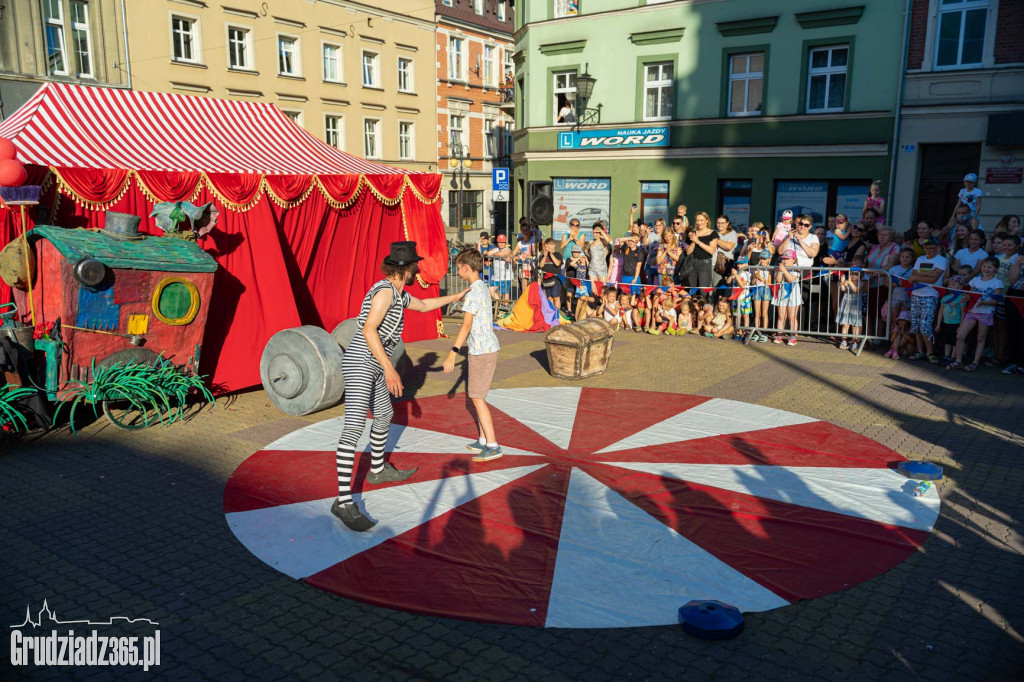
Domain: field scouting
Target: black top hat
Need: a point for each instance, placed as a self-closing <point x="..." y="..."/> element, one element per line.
<point x="122" y="226"/>
<point x="402" y="253"/>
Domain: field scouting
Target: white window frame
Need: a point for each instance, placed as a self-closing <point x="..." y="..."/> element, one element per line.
<point x="478" y="6"/>
<point x="446" y="3"/>
<point x="196" y="34"/>
<point x="296" y="55"/>
<point x="374" y="72"/>
<point x="508" y="65"/>
<point x="827" y="71"/>
<point x="82" y="28"/>
<point x="562" y="8"/>
<point x="339" y="59"/>
<point x="556" y="91"/>
<point x="57" y="23"/>
<point x="745" y="78"/>
<point x="412" y="140"/>
<point x="962" y="8"/>
<point x="661" y="86"/>
<point x="411" y="76"/>
<point x="461" y="129"/>
<point x="297" y="115"/>
<point x="489" y="65"/>
<point x="339" y="133"/>
<point x="248" y="46"/>
<point x="490" y="128"/>
<point x="460" y="66"/>
<point x="502" y="12"/>
<point x="376" y="152"/>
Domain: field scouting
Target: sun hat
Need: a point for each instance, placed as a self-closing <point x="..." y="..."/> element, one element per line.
<point x="502" y="238"/>
<point x="787" y="214"/>
<point x="764" y="255"/>
<point x="791" y="254"/>
<point x="742" y="260"/>
<point x="971" y="177"/>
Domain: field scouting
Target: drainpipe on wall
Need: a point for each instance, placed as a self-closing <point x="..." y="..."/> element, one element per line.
<point x="127" y="51"/>
<point x="899" y="112"/>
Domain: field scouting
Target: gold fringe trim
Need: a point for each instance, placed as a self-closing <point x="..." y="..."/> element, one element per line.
<point x="65" y="189"/>
<point x="155" y="199"/>
<point x="288" y="204"/>
<point x="440" y="330"/>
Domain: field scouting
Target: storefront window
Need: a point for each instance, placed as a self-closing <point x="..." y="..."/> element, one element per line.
<point x="471" y="215"/>
<point x="820" y="198"/>
<point x="734" y="201"/>
<point x="654" y="202"/>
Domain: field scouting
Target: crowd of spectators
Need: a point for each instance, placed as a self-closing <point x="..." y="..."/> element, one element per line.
<point x="953" y="286"/>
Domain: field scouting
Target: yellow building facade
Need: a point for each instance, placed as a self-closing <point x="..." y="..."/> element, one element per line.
<point x="360" y="77"/>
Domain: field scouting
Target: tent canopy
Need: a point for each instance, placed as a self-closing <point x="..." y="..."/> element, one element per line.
<point x="302" y="228"/>
<point x="94" y="127"/>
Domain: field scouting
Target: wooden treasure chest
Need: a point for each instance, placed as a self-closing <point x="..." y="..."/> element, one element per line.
<point x="579" y="350"/>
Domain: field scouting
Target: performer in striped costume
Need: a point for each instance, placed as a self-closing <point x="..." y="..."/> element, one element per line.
<point x="370" y="376"/>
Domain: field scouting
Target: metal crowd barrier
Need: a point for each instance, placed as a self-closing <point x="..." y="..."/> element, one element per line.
<point x="820" y="293"/>
<point x="503" y="297"/>
<point x="822" y="297"/>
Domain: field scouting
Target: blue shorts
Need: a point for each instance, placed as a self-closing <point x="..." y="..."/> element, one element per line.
<point x="504" y="287"/>
<point x="634" y="286"/>
<point x="761" y="293"/>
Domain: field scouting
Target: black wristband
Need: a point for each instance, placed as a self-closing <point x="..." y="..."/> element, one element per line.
<point x="456" y="349"/>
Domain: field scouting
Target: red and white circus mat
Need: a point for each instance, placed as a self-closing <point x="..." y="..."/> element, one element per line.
<point x="610" y="508"/>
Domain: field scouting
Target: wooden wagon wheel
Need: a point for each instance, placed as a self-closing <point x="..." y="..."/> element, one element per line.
<point x="122" y="413"/>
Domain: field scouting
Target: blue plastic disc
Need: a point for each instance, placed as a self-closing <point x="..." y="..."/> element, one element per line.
<point x="922" y="471"/>
<point x="710" y="619"/>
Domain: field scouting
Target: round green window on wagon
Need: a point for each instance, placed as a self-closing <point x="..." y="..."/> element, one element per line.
<point x="175" y="301"/>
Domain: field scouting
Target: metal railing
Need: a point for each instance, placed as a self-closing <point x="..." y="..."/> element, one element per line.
<point x="506" y="283"/>
<point x="820" y="288"/>
<point x="822" y="300"/>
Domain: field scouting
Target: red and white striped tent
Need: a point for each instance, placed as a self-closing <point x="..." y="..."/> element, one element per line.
<point x="302" y="228"/>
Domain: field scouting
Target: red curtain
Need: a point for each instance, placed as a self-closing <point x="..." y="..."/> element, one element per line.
<point x="171" y="186"/>
<point x="100" y="186"/>
<point x="280" y="268"/>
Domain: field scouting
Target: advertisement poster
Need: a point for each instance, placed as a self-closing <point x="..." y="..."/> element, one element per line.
<point x="654" y="200"/>
<point x="586" y="199"/>
<point x="738" y="210"/>
<point x="850" y="200"/>
<point x="809" y="198"/>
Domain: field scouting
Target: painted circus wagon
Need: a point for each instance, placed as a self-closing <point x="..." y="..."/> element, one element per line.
<point x="121" y="317"/>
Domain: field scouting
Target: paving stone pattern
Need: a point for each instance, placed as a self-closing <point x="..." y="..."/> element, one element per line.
<point x="111" y="522"/>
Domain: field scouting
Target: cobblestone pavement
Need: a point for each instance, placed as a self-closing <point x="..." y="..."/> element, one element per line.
<point x="112" y="522"/>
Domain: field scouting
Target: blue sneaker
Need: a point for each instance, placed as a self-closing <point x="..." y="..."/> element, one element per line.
<point x="488" y="453"/>
<point x="475" y="446"/>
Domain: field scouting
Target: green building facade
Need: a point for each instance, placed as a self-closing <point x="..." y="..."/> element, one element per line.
<point x="746" y="107"/>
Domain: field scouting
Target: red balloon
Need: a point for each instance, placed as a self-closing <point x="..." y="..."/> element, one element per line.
<point x="12" y="173"/>
<point x="7" y="149"/>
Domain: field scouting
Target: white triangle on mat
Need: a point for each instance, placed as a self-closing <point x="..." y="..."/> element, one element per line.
<point x="881" y="495"/>
<point x="716" y="417"/>
<point x="304" y="538"/>
<point x="323" y="436"/>
<point x="551" y="412"/>
<point x="618" y="566"/>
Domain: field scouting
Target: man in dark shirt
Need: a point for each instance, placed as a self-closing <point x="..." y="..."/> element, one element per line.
<point x="632" y="261"/>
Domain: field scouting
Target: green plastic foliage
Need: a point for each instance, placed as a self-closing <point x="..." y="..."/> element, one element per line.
<point x="9" y="409"/>
<point x="159" y="389"/>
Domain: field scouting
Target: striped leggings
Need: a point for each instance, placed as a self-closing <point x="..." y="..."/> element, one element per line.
<point x="364" y="390"/>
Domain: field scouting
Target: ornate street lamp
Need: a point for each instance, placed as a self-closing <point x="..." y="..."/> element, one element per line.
<point x="584" y="90"/>
<point x="460" y="163"/>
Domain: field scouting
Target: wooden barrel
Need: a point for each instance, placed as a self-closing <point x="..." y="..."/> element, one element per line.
<point x="301" y="370"/>
<point x="579" y="350"/>
<point x="346" y="331"/>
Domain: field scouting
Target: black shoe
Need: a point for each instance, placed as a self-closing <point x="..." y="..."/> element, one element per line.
<point x="389" y="474"/>
<point x="350" y="515"/>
